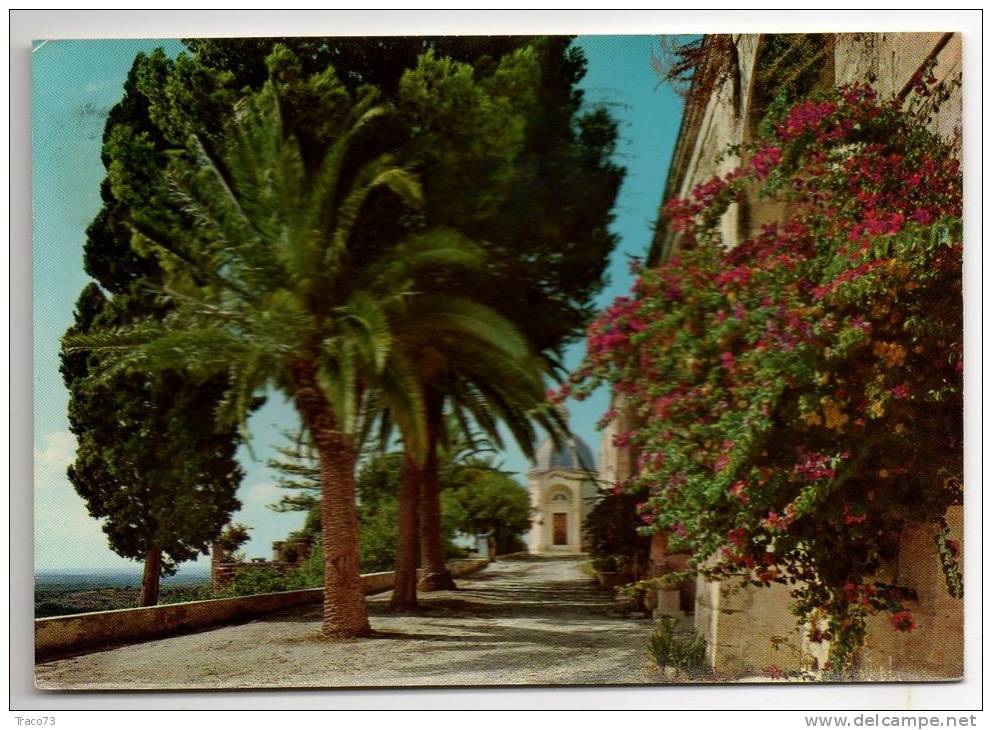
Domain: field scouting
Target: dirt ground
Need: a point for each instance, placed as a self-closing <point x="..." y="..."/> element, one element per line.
<point x="520" y="621"/>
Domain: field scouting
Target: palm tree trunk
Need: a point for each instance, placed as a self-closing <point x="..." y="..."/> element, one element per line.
<point x="151" y="579"/>
<point x="436" y="576"/>
<point x="345" y="612"/>
<point x="405" y="585"/>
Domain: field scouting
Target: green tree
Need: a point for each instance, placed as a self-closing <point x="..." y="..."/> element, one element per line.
<point x="296" y="470"/>
<point x="149" y="460"/>
<point x="272" y="285"/>
<point x="537" y="190"/>
<point x="551" y="256"/>
<point x="487" y="500"/>
<point x="163" y="502"/>
<point x="611" y="529"/>
<point x="231" y="539"/>
<point x="506" y="150"/>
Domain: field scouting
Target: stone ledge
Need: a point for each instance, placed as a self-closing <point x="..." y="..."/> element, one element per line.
<point x="77" y="633"/>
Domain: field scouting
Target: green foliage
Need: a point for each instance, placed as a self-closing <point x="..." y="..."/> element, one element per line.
<point x="297" y="470"/>
<point x="251" y="581"/>
<point x="267" y="579"/>
<point x="669" y="650"/>
<point x="273" y="254"/>
<point x="498" y="132"/>
<point x="947" y="552"/>
<point x="481" y="499"/>
<point x="175" y="494"/>
<point x="185" y="594"/>
<point x="377" y="542"/>
<point x="311" y="571"/>
<point x="611" y="530"/>
<point x="231" y="538"/>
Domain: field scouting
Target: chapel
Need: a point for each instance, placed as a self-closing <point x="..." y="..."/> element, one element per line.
<point x="563" y="489"/>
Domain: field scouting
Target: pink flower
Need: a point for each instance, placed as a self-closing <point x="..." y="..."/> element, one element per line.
<point x="622" y="440"/>
<point x="814" y="467"/>
<point x="805" y="116"/>
<point x="900" y="392"/>
<point x="765" y="160"/>
<point x="902" y="620"/>
<point x="852" y="518"/>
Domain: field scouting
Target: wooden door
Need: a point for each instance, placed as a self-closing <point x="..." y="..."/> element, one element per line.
<point x="560" y="527"/>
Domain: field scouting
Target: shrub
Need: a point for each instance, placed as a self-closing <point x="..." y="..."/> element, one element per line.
<point x="184" y="594"/>
<point x="682" y="653"/>
<point x="611" y="530"/>
<point x="252" y="581"/>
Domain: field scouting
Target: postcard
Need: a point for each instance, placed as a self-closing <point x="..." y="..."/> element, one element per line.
<point x="498" y="360"/>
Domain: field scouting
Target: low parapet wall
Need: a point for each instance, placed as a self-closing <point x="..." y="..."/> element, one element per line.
<point x="61" y="635"/>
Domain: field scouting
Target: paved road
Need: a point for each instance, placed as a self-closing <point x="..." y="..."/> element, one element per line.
<point x="525" y="621"/>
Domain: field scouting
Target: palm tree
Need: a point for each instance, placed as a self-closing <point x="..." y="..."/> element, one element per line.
<point x="490" y="392"/>
<point x="270" y="287"/>
<point x="480" y="388"/>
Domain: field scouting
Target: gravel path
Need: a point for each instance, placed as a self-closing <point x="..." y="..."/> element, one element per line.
<point x="520" y="621"/>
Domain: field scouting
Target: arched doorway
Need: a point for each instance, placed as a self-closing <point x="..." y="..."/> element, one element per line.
<point x="561" y="505"/>
<point x="560" y="516"/>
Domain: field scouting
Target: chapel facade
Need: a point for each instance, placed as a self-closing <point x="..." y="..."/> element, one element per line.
<point x="563" y="490"/>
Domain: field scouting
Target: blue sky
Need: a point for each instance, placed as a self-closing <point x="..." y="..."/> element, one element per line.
<point x="75" y="84"/>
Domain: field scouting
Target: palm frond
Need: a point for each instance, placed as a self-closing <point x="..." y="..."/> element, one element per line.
<point x="338" y="377"/>
<point x="458" y="318"/>
<point x="424" y="254"/>
<point x="374" y="331"/>
<point x="323" y="191"/>
<point x="402" y="393"/>
<point x="380" y="173"/>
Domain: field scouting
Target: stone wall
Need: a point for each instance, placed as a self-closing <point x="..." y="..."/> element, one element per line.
<point x="892" y="59"/>
<point x="747" y="630"/>
<point x="935" y="649"/>
<point x="737" y="623"/>
<point x="287" y="555"/>
<point x="66" y="635"/>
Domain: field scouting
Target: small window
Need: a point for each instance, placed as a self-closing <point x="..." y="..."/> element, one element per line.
<point x="560" y="497"/>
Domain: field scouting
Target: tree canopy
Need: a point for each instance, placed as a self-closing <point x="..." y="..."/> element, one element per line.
<point x="149" y="460"/>
<point x="499" y="133"/>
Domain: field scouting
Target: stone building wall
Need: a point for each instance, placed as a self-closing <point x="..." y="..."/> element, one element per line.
<point x="737" y="623"/>
<point x="935" y="649"/>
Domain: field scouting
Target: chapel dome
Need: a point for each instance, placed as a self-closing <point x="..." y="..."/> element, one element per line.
<point x="573" y="454"/>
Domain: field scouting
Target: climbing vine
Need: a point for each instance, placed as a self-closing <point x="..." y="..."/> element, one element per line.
<point x="801" y="391"/>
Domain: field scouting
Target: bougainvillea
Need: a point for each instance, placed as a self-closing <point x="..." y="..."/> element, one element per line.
<point x="800" y="391"/>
